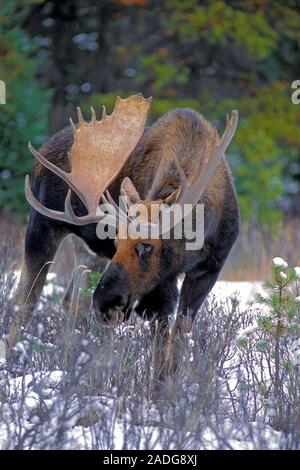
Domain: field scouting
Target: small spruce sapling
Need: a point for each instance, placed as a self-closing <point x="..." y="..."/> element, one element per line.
<point x="276" y="337"/>
<point x="282" y="300"/>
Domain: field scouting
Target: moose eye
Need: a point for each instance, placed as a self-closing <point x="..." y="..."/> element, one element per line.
<point x="143" y="249"/>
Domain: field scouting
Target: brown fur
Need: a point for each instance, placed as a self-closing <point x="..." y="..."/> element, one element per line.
<point x="127" y="257"/>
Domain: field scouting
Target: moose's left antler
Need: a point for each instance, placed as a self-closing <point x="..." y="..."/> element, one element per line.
<point x="99" y="151"/>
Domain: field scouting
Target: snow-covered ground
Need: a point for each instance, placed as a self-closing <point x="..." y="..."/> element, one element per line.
<point x="35" y="403"/>
<point x="80" y="428"/>
<point x="245" y="291"/>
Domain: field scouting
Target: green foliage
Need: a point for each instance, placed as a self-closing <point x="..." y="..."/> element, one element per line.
<point x="276" y="340"/>
<point x="241" y="342"/>
<point x="266" y="137"/>
<point x="219" y="22"/>
<point x="94" y="279"/>
<point x="211" y="56"/>
<point x="24" y="116"/>
<point x="164" y="73"/>
<point x="267" y="142"/>
<point x="284" y="317"/>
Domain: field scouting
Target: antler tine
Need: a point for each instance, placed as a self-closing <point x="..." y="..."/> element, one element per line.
<point x="58" y="171"/>
<point x="112" y="212"/>
<point x="68" y="207"/>
<point x="86" y="218"/>
<point x="80" y="117"/>
<point x="38" y="206"/>
<point x="119" y="213"/>
<point x="68" y="215"/>
<point x="110" y="200"/>
<point x="72" y="126"/>
<point x="107" y="203"/>
<point x="231" y="125"/>
<point x="94" y="118"/>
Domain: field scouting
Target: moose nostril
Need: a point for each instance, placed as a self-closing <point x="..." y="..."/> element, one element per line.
<point x="103" y="306"/>
<point x="110" y="315"/>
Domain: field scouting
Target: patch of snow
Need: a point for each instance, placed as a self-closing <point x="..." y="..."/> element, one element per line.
<point x="244" y="291"/>
<point x="2" y="352"/>
<point x="297" y="272"/>
<point x="248" y="331"/>
<point x="279" y="262"/>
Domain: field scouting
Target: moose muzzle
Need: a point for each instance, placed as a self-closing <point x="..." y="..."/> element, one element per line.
<point x="111" y="300"/>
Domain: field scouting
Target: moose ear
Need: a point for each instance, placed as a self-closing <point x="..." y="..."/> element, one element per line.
<point x="128" y="189"/>
<point x="172" y="198"/>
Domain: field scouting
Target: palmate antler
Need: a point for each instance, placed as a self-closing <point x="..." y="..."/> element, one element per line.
<point x="99" y="151"/>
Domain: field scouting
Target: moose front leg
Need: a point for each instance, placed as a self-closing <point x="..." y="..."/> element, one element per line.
<point x="193" y="293"/>
<point x="41" y="243"/>
<point x="156" y="306"/>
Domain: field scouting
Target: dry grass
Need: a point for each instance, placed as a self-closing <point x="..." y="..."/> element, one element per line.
<point x="249" y="260"/>
<point x="251" y="257"/>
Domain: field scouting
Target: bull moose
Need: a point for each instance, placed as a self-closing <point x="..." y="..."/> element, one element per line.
<point x="179" y="159"/>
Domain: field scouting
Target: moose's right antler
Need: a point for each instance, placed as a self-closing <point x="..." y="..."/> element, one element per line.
<point x="99" y="151"/>
<point x="191" y="194"/>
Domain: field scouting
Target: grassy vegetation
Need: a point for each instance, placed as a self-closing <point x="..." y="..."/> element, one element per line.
<point x="69" y="386"/>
